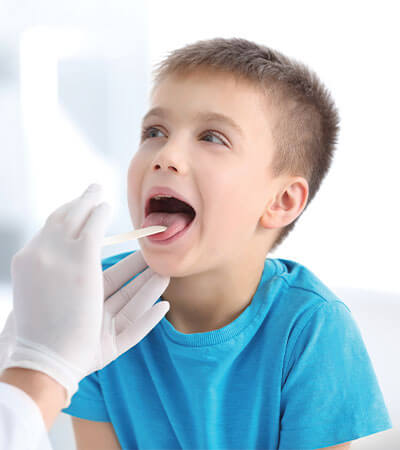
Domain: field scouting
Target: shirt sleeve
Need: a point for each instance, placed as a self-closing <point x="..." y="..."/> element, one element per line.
<point x="18" y="430"/>
<point x="88" y="401"/>
<point x="330" y="394"/>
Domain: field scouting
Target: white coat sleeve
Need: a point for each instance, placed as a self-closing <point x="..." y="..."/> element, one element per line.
<point x="21" y="421"/>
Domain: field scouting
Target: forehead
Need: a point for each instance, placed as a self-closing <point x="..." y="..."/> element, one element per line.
<point x="204" y="95"/>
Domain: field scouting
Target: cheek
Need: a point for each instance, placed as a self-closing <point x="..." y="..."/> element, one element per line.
<point x="134" y="166"/>
<point x="136" y="170"/>
<point x="224" y="214"/>
<point x="236" y="213"/>
<point x="134" y="183"/>
<point x="132" y="179"/>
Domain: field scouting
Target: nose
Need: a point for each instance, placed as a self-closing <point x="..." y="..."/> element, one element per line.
<point x="169" y="159"/>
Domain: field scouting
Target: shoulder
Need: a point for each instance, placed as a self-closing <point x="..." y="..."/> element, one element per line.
<point x="305" y="306"/>
<point x="303" y="286"/>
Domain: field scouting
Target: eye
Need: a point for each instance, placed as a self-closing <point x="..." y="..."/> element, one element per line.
<point x="215" y="136"/>
<point x="146" y="130"/>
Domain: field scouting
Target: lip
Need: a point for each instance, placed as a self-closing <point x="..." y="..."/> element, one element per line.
<point x="164" y="190"/>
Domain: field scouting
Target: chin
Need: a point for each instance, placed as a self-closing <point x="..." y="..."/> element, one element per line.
<point x="166" y="269"/>
<point x="156" y="264"/>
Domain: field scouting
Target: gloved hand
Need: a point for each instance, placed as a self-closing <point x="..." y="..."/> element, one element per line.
<point x="70" y="318"/>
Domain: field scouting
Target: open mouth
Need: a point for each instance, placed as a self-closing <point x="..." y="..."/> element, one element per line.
<point x="171" y="212"/>
<point x="168" y="204"/>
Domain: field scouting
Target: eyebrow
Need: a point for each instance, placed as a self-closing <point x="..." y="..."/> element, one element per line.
<point x="207" y="116"/>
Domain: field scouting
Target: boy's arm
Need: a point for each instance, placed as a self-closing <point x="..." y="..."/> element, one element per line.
<point x="344" y="446"/>
<point x="91" y="435"/>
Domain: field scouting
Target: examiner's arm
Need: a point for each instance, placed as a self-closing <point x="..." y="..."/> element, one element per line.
<point x="29" y="403"/>
<point x="46" y="392"/>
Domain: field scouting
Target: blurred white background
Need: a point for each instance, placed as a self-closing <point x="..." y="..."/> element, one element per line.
<point x="74" y="84"/>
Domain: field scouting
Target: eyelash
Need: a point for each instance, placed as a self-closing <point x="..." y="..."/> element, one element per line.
<point x="208" y="132"/>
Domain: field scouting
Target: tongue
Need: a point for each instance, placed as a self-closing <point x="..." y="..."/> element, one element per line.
<point x="175" y="222"/>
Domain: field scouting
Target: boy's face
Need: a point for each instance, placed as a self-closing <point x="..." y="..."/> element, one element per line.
<point x="224" y="174"/>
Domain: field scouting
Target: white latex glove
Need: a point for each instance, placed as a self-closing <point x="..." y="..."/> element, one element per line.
<point x="70" y="318"/>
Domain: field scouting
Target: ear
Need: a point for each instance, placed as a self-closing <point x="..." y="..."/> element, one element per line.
<point x="287" y="204"/>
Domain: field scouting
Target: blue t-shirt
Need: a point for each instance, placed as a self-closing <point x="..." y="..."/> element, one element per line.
<point x="290" y="372"/>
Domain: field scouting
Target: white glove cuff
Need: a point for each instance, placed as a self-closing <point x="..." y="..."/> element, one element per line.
<point x="36" y="357"/>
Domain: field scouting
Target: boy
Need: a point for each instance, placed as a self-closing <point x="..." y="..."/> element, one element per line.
<point x="254" y="352"/>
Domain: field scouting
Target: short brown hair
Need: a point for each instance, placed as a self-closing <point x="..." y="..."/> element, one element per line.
<point x="305" y="131"/>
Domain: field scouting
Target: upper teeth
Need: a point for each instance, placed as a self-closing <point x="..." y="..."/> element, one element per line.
<point x="157" y="197"/>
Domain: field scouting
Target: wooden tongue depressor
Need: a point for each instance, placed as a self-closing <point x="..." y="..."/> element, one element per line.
<point x="135" y="234"/>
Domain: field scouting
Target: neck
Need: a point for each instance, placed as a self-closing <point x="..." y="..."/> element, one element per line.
<point x="211" y="300"/>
